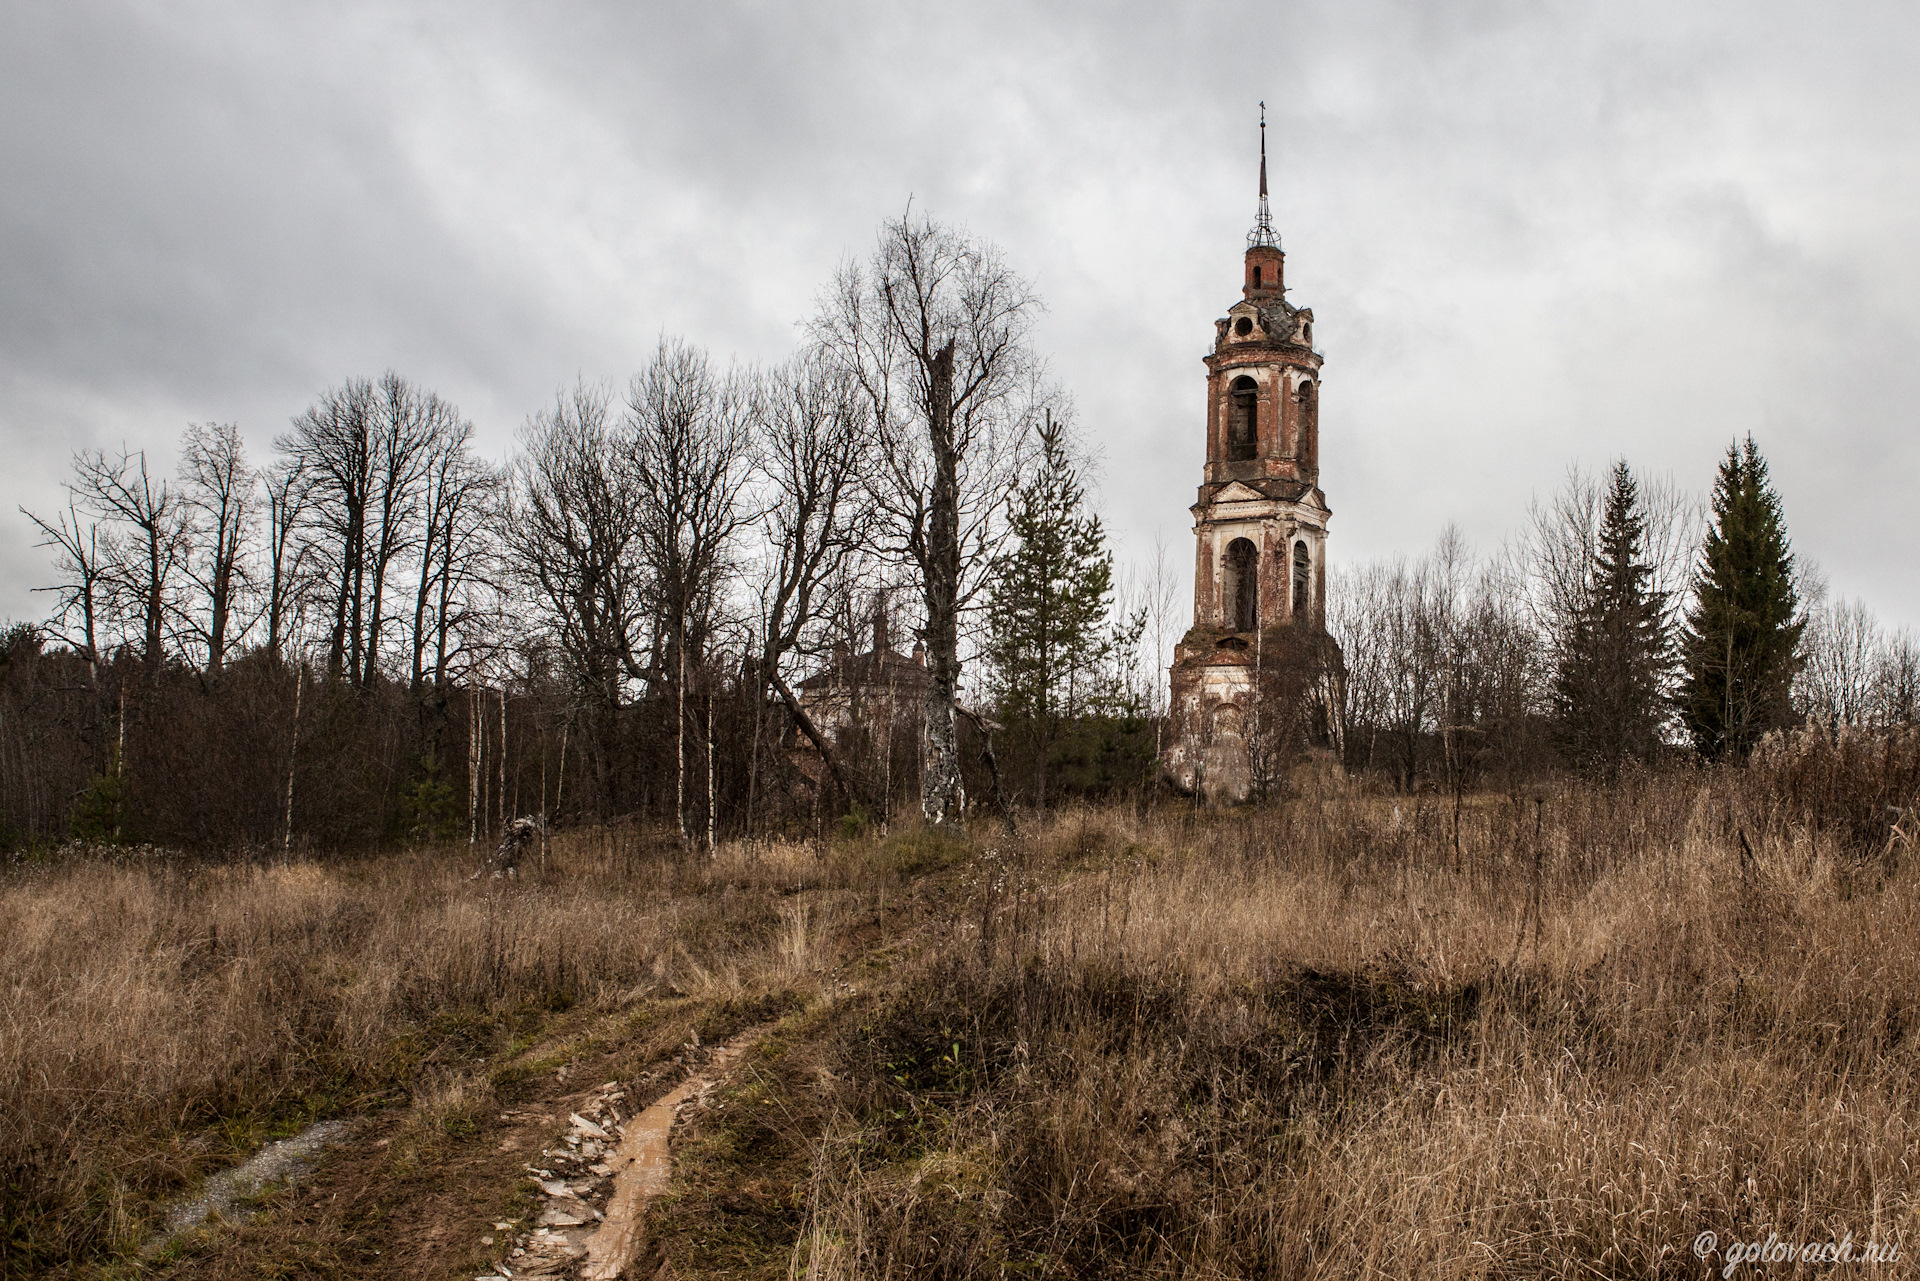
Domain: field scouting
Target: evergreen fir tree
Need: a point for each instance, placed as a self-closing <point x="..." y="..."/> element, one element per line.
<point x="1741" y="645"/>
<point x="1608" y="688"/>
<point x="1047" y="609"/>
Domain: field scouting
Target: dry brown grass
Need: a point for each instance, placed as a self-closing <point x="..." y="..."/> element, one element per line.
<point x="1343" y="1035"/>
<point x="1328" y="1039"/>
<point x="162" y="1017"/>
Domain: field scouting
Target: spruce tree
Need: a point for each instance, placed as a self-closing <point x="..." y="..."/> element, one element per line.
<point x="1047" y="610"/>
<point x="1741" y="645"/>
<point x="1609" y="686"/>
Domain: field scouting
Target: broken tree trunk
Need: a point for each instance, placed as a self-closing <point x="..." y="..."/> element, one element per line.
<point x="812" y="731"/>
<point x="943" y="796"/>
<point x="986" y="728"/>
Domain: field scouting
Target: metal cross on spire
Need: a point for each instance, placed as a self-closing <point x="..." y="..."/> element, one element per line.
<point x="1262" y="233"/>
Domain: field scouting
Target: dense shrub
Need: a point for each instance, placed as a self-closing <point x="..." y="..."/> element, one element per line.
<point x="1862" y="784"/>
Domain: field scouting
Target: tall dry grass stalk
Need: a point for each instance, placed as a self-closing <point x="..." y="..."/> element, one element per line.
<point x="1347" y="1037"/>
<point x="159" y="1018"/>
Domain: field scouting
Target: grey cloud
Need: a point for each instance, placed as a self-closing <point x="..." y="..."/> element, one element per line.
<point x="1530" y="233"/>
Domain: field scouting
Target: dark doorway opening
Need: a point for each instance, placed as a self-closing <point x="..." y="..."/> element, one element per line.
<point x="1242" y="586"/>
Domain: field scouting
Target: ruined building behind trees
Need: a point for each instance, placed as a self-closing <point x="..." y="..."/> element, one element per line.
<point x="870" y="707"/>
<point x="1257" y="676"/>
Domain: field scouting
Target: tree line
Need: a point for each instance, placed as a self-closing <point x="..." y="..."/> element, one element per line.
<point x="376" y="634"/>
<point x="1623" y="628"/>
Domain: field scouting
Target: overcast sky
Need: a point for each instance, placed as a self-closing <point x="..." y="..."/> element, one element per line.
<point x="1531" y="233"/>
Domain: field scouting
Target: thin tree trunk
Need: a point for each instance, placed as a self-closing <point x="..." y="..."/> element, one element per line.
<point x="423" y="591"/>
<point x="293" y="750"/>
<point x="680" y="740"/>
<point x="473" y="766"/>
<point x="440" y="622"/>
<point x="356" y="601"/>
<point x="753" y="761"/>
<point x="120" y="741"/>
<point x="225" y="550"/>
<point x="886" y="797"/>
<point x="709" y="771"/>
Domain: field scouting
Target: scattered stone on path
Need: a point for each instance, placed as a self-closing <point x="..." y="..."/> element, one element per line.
<point x="594" y="1165"/>
<point x="645" y="1168"/>
<point x="568" y="1212"/>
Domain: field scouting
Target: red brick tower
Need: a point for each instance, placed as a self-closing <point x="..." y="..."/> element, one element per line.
<point x="1260" y="523"/>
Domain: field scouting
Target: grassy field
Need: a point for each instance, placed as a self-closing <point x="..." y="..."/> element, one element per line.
<point x="1338" y="1035"/>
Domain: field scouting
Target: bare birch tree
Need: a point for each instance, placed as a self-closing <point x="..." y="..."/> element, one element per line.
<point x="811" y="432"/>
<point x="287" y="582"/>
<point x="935" y="328"/>
<point x="687" y="440"/>
<point x="409" y="424"/>
<point x="81" y="562"/>
<point x="364" y="448"/>
<point x="1163" y="594"/>
<point x="573" y="537"/>
<point x="459" y="495"/>
<point x="332" y="446"/>
<point x="1845" y="653"/>
<point x="151" y="545"/>
<point x="219" y="491"/>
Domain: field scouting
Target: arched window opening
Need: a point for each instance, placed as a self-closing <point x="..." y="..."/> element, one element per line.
<point x="1256" y="276"/>
<point x="1242" y="434"/>
<point x="1302" y="580"/>
<point x="1240" y="586"/>
<point x="1309" y="424"/>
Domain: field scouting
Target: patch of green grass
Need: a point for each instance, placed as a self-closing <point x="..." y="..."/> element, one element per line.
<point x="922" y="851"/>
<point x="739" y="1198"/>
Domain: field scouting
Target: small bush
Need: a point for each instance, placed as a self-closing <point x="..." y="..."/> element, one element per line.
<point x="99" y="814"/>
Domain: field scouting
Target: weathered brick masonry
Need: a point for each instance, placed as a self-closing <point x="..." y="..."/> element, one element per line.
<point x="1260" y="537"/>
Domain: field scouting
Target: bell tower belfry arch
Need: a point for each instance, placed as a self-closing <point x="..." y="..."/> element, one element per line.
<point x="1259" y="521"/>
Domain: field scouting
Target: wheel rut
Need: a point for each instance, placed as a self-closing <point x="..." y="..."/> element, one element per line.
<point x="597" y="1180"/>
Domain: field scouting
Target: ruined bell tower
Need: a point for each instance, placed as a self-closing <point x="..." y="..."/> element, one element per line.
<point x="1260" y="526"/>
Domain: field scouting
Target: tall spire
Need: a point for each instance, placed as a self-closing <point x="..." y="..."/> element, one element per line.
<point x="1262" y="233"/>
